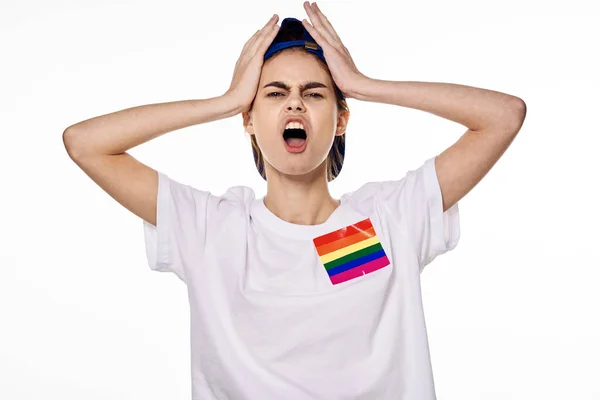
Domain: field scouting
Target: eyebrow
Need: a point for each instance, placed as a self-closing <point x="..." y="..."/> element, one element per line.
<point x="303" y="87"/>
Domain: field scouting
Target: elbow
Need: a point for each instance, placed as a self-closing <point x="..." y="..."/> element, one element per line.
<point x="69" y="138"/>
<point x="521" y="108"/>
<point x="518" y="114"/>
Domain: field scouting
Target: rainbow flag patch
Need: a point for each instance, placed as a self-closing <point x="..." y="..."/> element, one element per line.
<point x="351" y="252"/>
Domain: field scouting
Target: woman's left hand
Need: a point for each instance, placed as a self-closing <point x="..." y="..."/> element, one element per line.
<point x="343" y="70"/>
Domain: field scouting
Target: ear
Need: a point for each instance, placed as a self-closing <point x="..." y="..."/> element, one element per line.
<point x="342" y="123"/>
<point x="247" y="120"/>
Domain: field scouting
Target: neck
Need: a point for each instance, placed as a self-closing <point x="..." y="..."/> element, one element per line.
<point x="300" y="200"/>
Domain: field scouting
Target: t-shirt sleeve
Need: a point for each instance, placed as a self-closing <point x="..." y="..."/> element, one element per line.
<point x="181" y="220"/>
<point x="416" y="201"/>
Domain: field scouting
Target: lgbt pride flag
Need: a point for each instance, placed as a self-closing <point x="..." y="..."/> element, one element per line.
<point x="351" y="252"/>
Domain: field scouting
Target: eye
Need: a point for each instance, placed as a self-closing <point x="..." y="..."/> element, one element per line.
<point x="275" y="94"/>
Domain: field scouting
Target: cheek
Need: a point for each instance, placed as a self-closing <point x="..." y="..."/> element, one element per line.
<point x="265" y="126"/>
<point x="267" y="138"/>
<point x="326" y="130"/>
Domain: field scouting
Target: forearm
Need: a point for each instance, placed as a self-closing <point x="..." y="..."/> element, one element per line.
<point x="469" y="106"/>
<point x="120" y="131"/>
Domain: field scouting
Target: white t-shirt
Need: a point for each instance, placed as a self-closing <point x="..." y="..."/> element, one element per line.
<point x="306" y="312"/>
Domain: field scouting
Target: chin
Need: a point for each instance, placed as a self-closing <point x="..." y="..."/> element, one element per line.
<point x="297" y="165"/>
<point x="300" y="171"/>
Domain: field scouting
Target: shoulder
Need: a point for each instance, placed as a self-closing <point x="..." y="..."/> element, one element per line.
<point x="234" y="196"/>
<point x="240" y="196"/>
<point x="393" y="192"/>
<point x="185" y="194"/>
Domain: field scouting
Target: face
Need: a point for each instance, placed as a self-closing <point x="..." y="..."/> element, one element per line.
<point x="291" y="97"/>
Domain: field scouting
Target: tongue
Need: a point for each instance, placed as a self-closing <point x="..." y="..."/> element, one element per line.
<point x="295" y="142"/>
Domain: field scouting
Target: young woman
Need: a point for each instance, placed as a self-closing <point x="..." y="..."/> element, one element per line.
<point x="298" y="295"/>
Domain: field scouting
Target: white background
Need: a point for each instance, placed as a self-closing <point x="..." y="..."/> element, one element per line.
<point x="512" y="312"/>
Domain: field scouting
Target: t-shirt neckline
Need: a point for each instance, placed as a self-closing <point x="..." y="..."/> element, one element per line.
<point x="297" y="231"/>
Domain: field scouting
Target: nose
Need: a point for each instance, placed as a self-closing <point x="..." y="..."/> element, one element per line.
<point x="294" y="103"/>
<point x="297" y="108"/>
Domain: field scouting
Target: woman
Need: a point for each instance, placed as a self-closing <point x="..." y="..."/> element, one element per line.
<point x="299" y="295"/>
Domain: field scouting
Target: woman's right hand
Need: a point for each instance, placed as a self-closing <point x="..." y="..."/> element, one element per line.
<point x="246" y="73"/>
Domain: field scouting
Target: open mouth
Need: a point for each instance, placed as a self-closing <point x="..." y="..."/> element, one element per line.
<point x="295" y="139"/>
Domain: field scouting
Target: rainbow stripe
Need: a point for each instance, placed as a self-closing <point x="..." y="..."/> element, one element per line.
<point x="351" y="252"/>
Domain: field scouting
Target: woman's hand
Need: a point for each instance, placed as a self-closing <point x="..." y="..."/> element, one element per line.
<point x="246" y="73"/>
<point x="343" y="70"/>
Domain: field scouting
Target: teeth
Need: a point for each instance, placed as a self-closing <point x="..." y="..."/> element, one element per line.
<point x="294" y="125"/>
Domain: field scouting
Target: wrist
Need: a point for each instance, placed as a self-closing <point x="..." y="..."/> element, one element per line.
<point x="361" y="88"/>
<point x="231" y="103"/>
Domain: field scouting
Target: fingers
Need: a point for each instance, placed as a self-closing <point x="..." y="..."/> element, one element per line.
<point x="327" y="24"/>
<point x="321" y="24"/>
<point x="269" y="31"/>
<point x="266" y="34"/>
<point x="250" y="41"/>
<point x="244" y="49"/>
